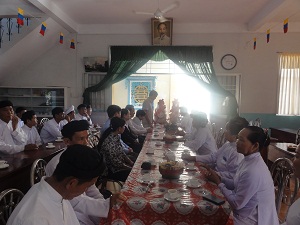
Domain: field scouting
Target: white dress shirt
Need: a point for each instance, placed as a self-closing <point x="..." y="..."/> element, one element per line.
<point x="136" y="129"/>
<point x="148" y="106"/>
<point x="201" y="141"/>
<point x="80" y="117"/>
<point x="251" y="193"/>
<point x="50" y="131"/>
<point x="186" y="123"/>
<point x="43" y="205"/>
<point x="33" y="136"/>
<point x="89" y="206"/>
<point x="11" y="141"/>
<point x="225" y="161"/>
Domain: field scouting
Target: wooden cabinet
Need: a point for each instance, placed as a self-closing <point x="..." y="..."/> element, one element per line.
<point x="284" y="134"/>
<point x="40" y="99"/>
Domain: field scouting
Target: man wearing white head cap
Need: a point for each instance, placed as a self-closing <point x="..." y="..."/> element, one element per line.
<point x="70" y="115"/>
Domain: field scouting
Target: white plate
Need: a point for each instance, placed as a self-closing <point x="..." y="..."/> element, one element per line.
<point x="4" y="165"/>
<point x="59" y="140"/>
<point x="145" y="181"/>
<point x="191" y="168"/>
<point x="50" y="146"/>
<point x="167" y="197"/>
<point x="188" y="184"/>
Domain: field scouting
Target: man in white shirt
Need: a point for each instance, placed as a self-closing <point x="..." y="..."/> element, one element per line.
<point x="30" y="121"/>
<point x="90" y="206"/>
<point x="186" y="120"/>
<point x="140" y="131"/>
<point x="12" y="137"/>
<point x="69" y="115"/>
<point x="82" y="114"/>
<point x="46" y="202"/>
<point x="19" y="112"/>
<point x="148" y="108"/>
<point x="51" y="129"/>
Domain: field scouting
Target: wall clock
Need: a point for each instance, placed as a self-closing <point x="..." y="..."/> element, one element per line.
<point x="228" y="61"/>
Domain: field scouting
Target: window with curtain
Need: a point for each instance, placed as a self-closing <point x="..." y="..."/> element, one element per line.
<point x="289" y="84"/>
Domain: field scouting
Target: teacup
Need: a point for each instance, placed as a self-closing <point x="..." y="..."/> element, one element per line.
<point x="59" y="138"/>
<point x="50" y="144"/>
<point x="2" y="162"/>
<point x="191" y="164"/>
<point x="146" y="177"/>
<point x="173" y="193"/>
<point x="194" y="182"/>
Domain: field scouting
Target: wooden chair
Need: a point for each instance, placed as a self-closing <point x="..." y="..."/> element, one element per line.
<point x="9" y="199"/>
<point x="214" y="130"/>
<point x="37" y="171"/>
<point x="286" y="184"/>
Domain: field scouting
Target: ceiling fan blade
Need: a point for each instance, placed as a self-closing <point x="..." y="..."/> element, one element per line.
<point x="143" y="13"/>
<point x="170" y="7"/>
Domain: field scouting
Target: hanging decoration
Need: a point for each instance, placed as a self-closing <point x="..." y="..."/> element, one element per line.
<point x="268" y="35"/>
<point x="43" y="28"/>
<point x="72" y="45"/>
<point x="254" y="44"/>
<point x="61" y="38"/>
<point x="285" y="25"/>
<point x="20" y="19"/>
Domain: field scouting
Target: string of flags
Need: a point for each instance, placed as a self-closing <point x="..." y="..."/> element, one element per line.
<point x="285" y="30"/>
<point x="20" y="21"/>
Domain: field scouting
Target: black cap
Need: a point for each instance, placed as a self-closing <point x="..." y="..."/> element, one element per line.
<point x="5" y="103"/>
<point x="81" y="161"/>
<point x="74" y="126"/>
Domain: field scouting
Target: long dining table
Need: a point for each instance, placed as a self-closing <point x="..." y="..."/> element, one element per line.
<point x="17" y="174"/>
<point x="149" y="204"/>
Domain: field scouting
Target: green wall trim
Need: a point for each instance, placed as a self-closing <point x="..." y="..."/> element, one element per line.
<point x="273" y="120"/>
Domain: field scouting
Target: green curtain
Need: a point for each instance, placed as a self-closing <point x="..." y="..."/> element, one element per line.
<point x="196" y="61"/>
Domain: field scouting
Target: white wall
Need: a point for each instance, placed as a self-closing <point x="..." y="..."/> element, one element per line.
<point x="62" y="66"/>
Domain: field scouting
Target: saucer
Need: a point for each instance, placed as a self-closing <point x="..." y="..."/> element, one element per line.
<point x="191" y="168"/>
<point x="188" y="184"/>
<point x="4" y="165"/>
<point x="50" y="146"/>
<point x="146" y="180"/>
<point x="167" y="197"/>
<point x="59" y="140"/>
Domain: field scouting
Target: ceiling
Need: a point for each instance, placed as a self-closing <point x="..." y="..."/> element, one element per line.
<point x="253" y="15"/>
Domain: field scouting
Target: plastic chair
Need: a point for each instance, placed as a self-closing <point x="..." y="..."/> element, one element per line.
<point x="37" y="171"/>
<point x="286" y="184"/>
<point x="9" y="199"/>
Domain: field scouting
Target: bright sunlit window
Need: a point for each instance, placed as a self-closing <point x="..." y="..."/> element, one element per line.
<point x="180" y="86"/>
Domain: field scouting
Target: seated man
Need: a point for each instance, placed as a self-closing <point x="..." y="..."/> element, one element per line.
<point x="82" y="114"/>
<point x="30" y="121"/>
<point x="12" y="137"/>
<point x="69" y="115"/>
<point x="186" y="120"/>
<point x="45" y="203"/>
<point x="134" y="128"/>
<point x="90" y="206"/>
<point x="19" y="112"/>
<point x="139" y="117"/>
<point x="51" y="129"/>
<point x="115" y="111"/>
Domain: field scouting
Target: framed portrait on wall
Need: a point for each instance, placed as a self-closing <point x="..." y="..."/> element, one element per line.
<point x="161" y="31"/>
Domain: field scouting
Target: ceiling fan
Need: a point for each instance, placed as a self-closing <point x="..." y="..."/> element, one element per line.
<point x="159" y="14"/>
